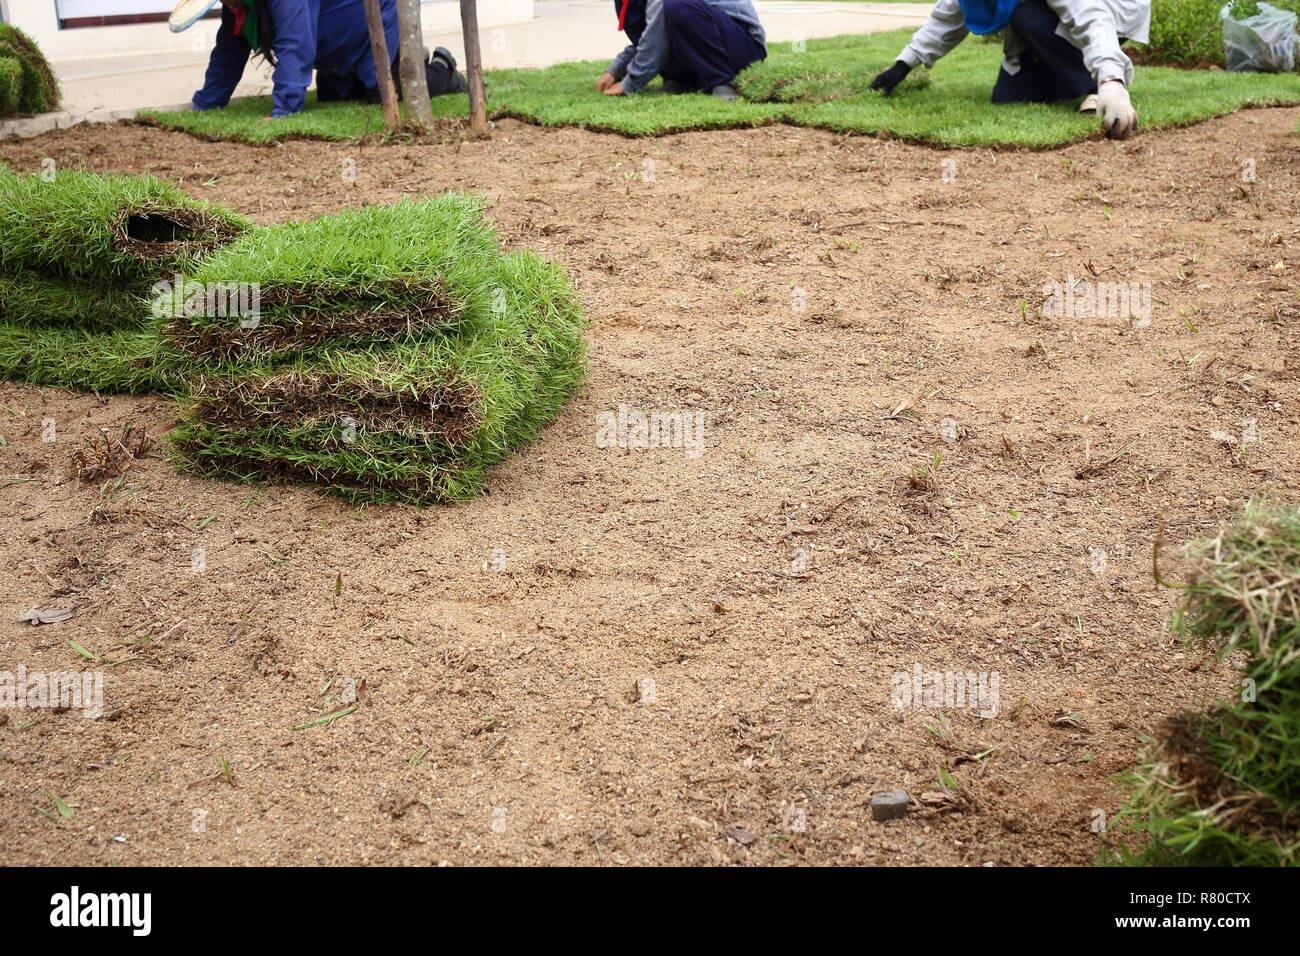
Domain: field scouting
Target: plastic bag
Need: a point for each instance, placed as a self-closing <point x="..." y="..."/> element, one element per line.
<point x="1266" y="42"/>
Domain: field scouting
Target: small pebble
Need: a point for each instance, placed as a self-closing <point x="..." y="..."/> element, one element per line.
<point x="889" y="805"/>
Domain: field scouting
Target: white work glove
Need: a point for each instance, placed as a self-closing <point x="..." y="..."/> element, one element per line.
<point x="1119" y="120"/>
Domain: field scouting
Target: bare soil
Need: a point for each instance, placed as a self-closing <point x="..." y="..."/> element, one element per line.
<point x="807" y="294"/>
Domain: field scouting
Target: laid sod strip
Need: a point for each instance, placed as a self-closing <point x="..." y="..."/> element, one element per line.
<point x="114" y="362"/>
<point x="106" y="229"/>
<point x="1223" y="787"/>
<point x="32" y="299"/>
<point x="417" y="421"/>
<point x="381" y="273"/>
<point x="823" y="86"/>
<point x="38" y="90"/>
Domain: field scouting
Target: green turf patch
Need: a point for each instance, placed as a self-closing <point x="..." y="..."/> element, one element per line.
<point x="115" y="361"/>
<point x="37" y="90"/>
<point x="79" y="335"/>
<point x="1222" y="788"/>
<point x="824" y="86"/>
<point x="33" y="299"/>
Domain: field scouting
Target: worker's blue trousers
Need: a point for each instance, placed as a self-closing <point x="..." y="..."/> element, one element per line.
<point x="1051" y="68"/>
<point x="708" y="47"/>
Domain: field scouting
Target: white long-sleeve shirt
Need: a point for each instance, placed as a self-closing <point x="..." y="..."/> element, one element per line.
<point x="1094" y="26"/>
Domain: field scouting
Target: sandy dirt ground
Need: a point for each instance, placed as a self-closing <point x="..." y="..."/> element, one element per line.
<point x="838" y="315"/>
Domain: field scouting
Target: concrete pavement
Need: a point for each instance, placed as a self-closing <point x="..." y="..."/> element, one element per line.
<point x="108" y="88"/>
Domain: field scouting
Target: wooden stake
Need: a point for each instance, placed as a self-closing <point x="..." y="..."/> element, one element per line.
<point x="383" y="63"/>
<point x="473" y="66"/>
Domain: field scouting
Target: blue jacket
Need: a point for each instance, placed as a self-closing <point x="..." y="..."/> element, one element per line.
<point x="648" y="53"/>
<point x="328" y="35"/>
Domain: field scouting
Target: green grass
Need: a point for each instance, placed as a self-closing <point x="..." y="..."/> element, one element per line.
<point x="77" y="254"/>
<point x="1222" y="787"/>
<point x="79" y="335"/>
<point x="32" y="299"/>
<point x="11" y="85"/>
<point x="824" y="86"/>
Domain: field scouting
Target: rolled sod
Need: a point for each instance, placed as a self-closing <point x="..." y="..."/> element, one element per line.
<point x="78" y="253"/>
<point x="379" y="274"/>
<point x="120" y="361"/>
<point x="11" y="85"/>
<point x="37" y="89"/>
<point x="36" y="300"/>
<point x="79" y="335"/>
<point x="415" y="421"/>
<point x="106" y="230"/>
<point x="1221" y="787"/>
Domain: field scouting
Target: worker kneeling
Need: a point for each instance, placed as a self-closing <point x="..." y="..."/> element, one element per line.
<point x="297" y="36"/>
<point x="1053" y="50"/>
<point x="692" y="44"/>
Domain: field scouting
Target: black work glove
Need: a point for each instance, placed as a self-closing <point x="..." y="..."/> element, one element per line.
<point x="890" y="78"/>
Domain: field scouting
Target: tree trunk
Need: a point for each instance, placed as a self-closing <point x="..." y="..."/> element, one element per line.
<point x="383" y="63"/>
<point x="415" y="85"/>
<point x="473" y="65"/>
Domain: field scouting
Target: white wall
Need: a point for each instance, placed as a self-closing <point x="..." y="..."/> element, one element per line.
<point x="39" y="20"/>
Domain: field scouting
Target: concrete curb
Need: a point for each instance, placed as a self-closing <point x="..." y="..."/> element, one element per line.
<point x="30" y="126"/>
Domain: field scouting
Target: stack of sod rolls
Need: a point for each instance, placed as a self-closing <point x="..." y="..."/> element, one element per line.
<point x="393" y="353"/>
<point x="78" y="255"/>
